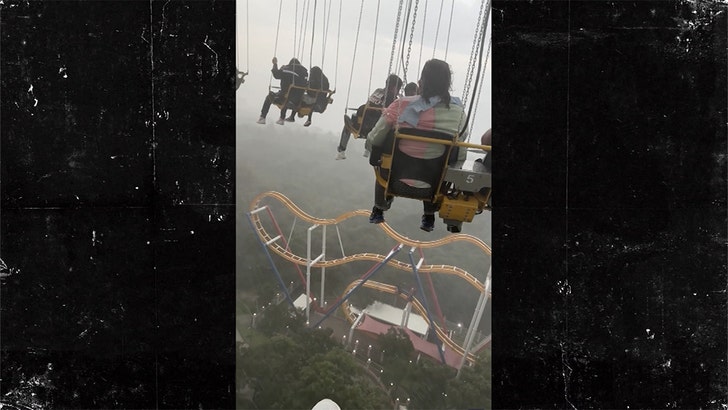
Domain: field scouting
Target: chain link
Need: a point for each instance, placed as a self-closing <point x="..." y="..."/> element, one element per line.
<point x="394" y="39"/>
<point x="412" y="36"/>
<point x="473" y="56"/>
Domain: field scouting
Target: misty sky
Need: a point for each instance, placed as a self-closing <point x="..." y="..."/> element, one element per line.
<point x="258" y="30"/>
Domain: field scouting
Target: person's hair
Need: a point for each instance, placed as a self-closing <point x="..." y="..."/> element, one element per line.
<point x="294" y="61"/>
<point x="435" y="81"/>
<point x="410" y="89"/>
<point x="316" y="70"/>
<point x="394" y="80"/>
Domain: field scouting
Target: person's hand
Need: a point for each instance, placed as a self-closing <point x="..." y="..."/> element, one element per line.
<point x="275" y="60"/>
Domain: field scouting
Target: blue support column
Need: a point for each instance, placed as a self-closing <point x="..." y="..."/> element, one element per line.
<point x="393" y="252"/>
<point x="427" y="307"/>
<point x="272" y="264"/>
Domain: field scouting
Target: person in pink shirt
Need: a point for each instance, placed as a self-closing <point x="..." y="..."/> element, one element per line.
<point x="432" y="109"/>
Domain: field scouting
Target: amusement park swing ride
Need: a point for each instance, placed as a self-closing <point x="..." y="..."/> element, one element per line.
<point x="462" y="192"/>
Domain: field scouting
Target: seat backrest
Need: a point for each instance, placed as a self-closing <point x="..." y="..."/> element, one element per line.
<point x="418" y="167"/>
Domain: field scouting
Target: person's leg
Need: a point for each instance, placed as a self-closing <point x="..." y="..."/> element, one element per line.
<point x="428" y="217"/>
<point x="345" y="133"/>
<point x="266" y="104"/>
<point x="344" y="140"/>
<point x="308" y="122"/>
<point x="381" y="203"/>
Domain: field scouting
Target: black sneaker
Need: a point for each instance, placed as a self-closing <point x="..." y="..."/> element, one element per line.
<point x="377" y="216"/>
<point x="428" y="223"/>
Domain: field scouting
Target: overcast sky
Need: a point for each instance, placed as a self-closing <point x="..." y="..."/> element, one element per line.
<point x="334" y="45"/>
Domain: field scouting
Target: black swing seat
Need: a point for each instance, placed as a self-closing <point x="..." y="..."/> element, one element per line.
<point x="315" y="100"/>
<point x="417" y="164"/>
<point x="366" y="117"/>
<point x="423" y="165"/>
<point x="298" y="99"/>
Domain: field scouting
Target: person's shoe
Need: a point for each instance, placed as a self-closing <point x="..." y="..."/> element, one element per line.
<point x="377" y="216"/>
<point x="261" y="120"/>
<point x="280" y="121"/>
<point x="366" y="154"/>
<point x="291" y="118"/>
<point x="428" y="223"/>
<point x="307" y="123"/>
<point x="341" y="155"/>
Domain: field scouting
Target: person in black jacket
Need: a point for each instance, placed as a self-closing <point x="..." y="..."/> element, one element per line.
<point x="316" y="96"/>
<point x="364" y="119"/>
<point x="291" y="74"/>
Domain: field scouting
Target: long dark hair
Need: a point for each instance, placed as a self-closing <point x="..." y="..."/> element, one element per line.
<point x="435" y="81"/>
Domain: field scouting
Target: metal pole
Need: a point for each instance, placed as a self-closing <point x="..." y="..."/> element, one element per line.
<point x="354" y="325"/>
<point x="415" y="270"/>
<point x="378" y="266"/>
<point x="308" y="273"/>
<point x="323" y="268"/>
<point x="270" y="258"/>
<point x="477" y="315"/>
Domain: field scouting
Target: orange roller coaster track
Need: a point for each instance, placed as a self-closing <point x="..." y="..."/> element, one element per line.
<point x="278" y="245"/>
<point x="394" y="290"/>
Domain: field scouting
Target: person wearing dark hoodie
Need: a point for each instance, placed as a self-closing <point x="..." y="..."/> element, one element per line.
<point x="292" y="74"/>
<point x="316" y="96"/>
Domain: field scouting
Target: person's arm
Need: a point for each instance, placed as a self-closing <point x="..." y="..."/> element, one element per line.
<point x="385" y="123"/>
<point x="276" y="72"/>
<point x="463" y="152"/>
<point x="378" y="134"/>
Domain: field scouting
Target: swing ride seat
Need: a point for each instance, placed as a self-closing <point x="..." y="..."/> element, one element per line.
<point x="291" y="99"/>
<point x="366" y="117"/>
<point x="298" y="100"/>
<point x="460" y="193"/>
<point x="417" y="164"/>
<point x="468" y="192"/>
<point x="318" y="104"/>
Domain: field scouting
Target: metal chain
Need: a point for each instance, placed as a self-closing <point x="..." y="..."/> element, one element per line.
<point x="396" y="31"/>
<point x="412" y="36"/>
<point x="480" y="90"/>
<point x="449" y="29"/>
<point x="374" y="48"/>
<point x="356" y="44"/>
<point x="480" y="31"/>
<point x="422" y="38"/>
<point x="437" y="32"/>
<point x="473" y="56"/>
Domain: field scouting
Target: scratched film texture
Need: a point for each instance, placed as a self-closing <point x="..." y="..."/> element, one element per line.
<point x="609" y="219"/>
<point x="117" y="223"/>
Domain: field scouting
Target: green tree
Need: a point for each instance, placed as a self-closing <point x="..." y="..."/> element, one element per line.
<point x="299" y="369"/>
<point x="279" y="318"/>
<point x="398" y="351"/>
<point x="337" y="376"/>
<point x="474" y="386"/>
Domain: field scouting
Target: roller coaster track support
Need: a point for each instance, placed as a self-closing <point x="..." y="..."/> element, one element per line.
<point x="380" y="265"/>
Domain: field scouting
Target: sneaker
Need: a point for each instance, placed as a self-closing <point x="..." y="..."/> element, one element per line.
<point x="307" y="123"/>
<point x="366" y="154"/>
<point x="341" y="155"/>
<point x="377" y="216"/>
<point x="291" y="118"/>
<point x="428" y="223"/>
<point x="261" y="120"/>
<point x="280" y="121"/>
